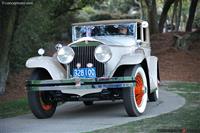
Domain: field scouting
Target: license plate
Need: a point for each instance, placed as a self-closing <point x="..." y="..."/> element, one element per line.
<point x="84" y="72"/>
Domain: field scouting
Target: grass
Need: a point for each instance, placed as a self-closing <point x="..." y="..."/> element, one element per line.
<point x="185" y="87"/>
<point x="186" y="118"/>
<point x="14" y="108"/>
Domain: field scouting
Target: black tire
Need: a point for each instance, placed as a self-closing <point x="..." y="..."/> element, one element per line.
<point x="41" y="102"/>
<point x="153" y="96"/>
<point x="88" y="103"/>
<point x="135" y="104"/>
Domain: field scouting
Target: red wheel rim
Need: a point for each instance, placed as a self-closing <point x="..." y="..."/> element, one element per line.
<point x="139" y="90"/>
<point x="45" y="106"/>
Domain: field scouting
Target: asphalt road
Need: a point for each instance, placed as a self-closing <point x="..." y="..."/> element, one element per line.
<point x="75" y="117"/>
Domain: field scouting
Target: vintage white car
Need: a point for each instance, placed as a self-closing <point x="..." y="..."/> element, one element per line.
<point x="107" y="60"/>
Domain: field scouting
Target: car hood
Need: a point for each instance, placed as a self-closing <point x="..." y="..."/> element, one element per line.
<point x="109" y="40"/>
<point x="117" y="40"/>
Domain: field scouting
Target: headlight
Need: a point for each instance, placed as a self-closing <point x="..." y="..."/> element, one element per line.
<point x="65" y="55"/>
<point x="102" y="53"/>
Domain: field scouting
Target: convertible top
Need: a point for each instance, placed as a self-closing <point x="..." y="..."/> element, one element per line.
<point x="108" y="22"/>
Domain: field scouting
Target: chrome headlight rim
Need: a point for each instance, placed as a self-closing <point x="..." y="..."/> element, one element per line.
<point x="103" y="51"/>
<point x="65" y="55"/>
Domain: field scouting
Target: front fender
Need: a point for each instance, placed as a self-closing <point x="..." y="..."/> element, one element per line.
<point x="129" y="59"/>
<point x="54" y="68"/>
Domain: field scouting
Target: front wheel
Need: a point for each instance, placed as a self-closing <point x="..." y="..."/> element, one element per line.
<point x="135" y="98"/>
<point x="41" y="103"/>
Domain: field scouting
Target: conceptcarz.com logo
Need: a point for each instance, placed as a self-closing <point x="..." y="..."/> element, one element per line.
<point x="14" y="3"/>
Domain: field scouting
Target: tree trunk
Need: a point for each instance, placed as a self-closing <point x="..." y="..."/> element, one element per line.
<point x="174" y="16"/>
<point x="179" y="16"/>
<point x="152" y="16"/>
<point x="8" y="18"/>
<point x="144" y="10"/>
<point x="192" y="11"/>
<point x="163" y="16"/>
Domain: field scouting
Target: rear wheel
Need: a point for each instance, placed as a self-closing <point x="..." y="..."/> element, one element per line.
<point x="135" y="98"/>
<point x="41" y="103"/>
<point x="88" y="103"/>
<point x="154" y="96"/>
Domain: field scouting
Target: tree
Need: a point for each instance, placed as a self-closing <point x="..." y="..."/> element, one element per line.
<point x="28" y="28"/>
<point x="174" y="14"/>
<point x="152" y="15"/>
<point x="163" y="16"/>
<point x="8" y="15"/>
<point x="65" y="6"/>
<point x="178" y="16"/>
<point x="143" y="10"/>
<point x="192" y="11"/>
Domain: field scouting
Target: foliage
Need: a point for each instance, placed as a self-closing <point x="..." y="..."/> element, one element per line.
<point x="122" y="6"/>
<point x="49" y="21"/>
<point x="108" y="16"/>
<point x="41" y="25"/>
<point x="103" y="16"/>
<point x="196" y="23"/>
<point x="89" y="10"/>
<point x="31" y="33"/>
<point x="85" y="14"/>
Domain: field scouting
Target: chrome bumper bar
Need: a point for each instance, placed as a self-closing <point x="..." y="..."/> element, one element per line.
<point x="77" y="83"/>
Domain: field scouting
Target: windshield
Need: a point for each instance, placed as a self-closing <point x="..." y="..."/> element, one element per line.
<point x="128" y="29"/>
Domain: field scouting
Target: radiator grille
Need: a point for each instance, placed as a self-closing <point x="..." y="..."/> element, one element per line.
<point x="85" y="55"/>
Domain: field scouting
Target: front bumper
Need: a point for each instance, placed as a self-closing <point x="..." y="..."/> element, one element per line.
<point x="77" y="84"/>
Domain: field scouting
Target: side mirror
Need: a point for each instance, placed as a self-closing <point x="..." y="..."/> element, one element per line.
<point x="145" y="24"/>
<point x="139" y="43"/>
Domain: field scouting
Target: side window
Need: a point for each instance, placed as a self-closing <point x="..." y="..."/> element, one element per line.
<point x="144" y="34"/>
<point x="138" y="31"/>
